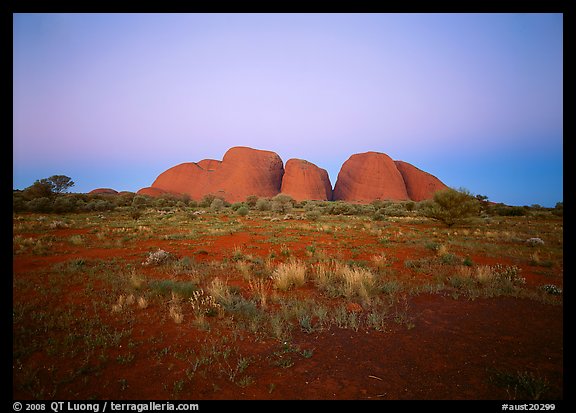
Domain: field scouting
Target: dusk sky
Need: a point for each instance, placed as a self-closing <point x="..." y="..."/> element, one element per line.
<point x="113" y="100"/>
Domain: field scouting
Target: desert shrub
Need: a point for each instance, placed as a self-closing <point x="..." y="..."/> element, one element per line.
<point x="242" y="211"/>
<point x="379" y="215"/>
<point x="206" y="200"/>
<point x="38" y="190"/>
<point x="263" y="204"/>
<point x="65" y="204"/>
<point x="42" y="204"/>
<point x="140" y="201"/>
<point x="135" y="213"/>
<point x="452" y="207"/>
<point x="558" y="209"/>
<point x="161" y="202"/>
<point x="123" y="199"/>
<point x="313" y="215"/>
<point x="507" y="211"/>
<point x="184" y="289"/>
<point x="18" y="202"/>
<point x="282" y="203"/>
<point x="251" y="201"/>
<point x="341" y="208"/>
<point x="377" y="204"/>
<point x="395" y="210"/>
<point x="99" y="205"/>
<point x="217" y="204"/>
<point x="237" y="205"/>
<point x="525" y="384"/>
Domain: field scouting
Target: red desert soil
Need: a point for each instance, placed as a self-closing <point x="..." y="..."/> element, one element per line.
<point x="448" y="348"/>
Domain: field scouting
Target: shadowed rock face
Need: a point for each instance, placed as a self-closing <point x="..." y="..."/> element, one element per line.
<point x="365" y="177"/>
<point x="420" y="185"/>
<point x="242" y="172"/>
<point x="305" y="181"/>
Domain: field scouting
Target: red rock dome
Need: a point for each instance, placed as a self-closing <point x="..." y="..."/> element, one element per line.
<point x="305" y="181"/>
<point x="365" y="177"/>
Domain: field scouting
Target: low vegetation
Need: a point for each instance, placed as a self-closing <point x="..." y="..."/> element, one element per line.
<point x="105" y="283"/>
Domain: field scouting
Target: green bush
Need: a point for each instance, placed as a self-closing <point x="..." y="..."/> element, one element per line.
<point x="508" y="211"/>
<point x="217" y="204"/>
<point x="251" y="201"/>
<point x="99" y="205"/>
<point x="313" y="215"/>
<point x="263" y="204"/>
<point x="242" y="211"/>
<point x="65" y="204"/>
<point x="42" y="204"/>
<point x="140" y="201"/>
<point x="282" y="203"/>
<point x="452" y="207"/>
<point x="558" y="209"/>
<point x="206" y="201"/>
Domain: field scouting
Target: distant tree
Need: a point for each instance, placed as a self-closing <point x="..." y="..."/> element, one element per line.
<point x="452" y="206"/>
<point x="558" y="209"/>
<point x="48" y="187"/>
<point x="38" y="189"/>
<point x="59" y="183"/>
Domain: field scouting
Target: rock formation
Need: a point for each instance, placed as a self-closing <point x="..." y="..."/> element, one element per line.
<point x="365" y="177"/>
<point x="305" y="181"/>
<point x="151" y="191"/>
<point x="106" y="191"/>
<point x="242" y="172"/>
<point x="420" y="185"/>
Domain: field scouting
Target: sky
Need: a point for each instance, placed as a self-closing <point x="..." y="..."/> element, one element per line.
<point x="113" y="100"/>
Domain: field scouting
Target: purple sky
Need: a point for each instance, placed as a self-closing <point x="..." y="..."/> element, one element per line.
<point x="113" y="100"/>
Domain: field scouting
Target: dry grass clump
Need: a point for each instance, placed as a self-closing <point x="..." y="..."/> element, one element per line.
<point x="175" y="309"/>
<point x="205" y="304"/>
<point x="289" y="275"/>
<point x="245" y="268"/>
<point x="220" y="291"/>
<point x="380" y="261"/>
<point x="260" y="287"/>
<point x="123" y="302"/>
<point x="484" y="274"/>
<point x="341" y="280"/>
